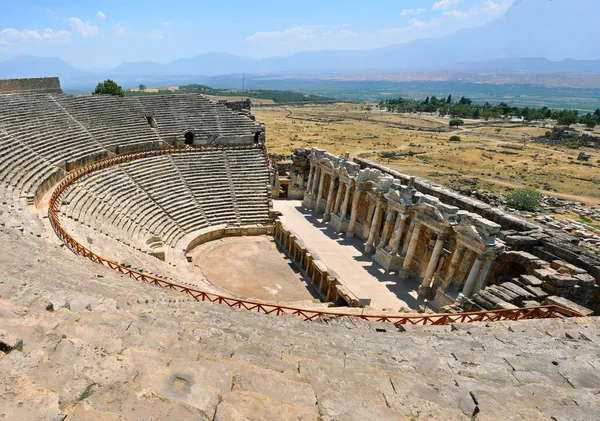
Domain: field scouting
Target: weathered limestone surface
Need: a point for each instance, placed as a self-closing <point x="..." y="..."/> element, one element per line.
<point x="96" y="345"/>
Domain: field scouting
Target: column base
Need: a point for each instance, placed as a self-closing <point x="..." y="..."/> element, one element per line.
<point x="337" y="223"/>
<point x="309" y="201"/>
<point x="369" y="248"/>
<point x="390" y="262"/>
<point x="424" y="290"/>
<point x="405" y="275"/>
<point x="326" y="217"/>
<point x="442" y="298"/>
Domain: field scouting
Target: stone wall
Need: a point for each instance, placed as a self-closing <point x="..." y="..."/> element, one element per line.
<point x="39" y="85"/>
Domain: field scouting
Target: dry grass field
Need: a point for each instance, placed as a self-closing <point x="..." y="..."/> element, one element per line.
<point x="489" y="156"/>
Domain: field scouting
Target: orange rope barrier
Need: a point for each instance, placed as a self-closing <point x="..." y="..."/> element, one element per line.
<point x="549" y="311"/>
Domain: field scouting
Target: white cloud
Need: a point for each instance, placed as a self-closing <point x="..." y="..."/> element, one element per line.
<point x="490" y="6"/>
<point x="459" y="14"/>
<point x="411" y="12"/>
<point x="341" y="34"/>
<point x="414" y="25"/>
<point x="303" y="33"/>
<point x="445" y="4"/>
<point x="85" y="29"/>
<point x="120" y="29"/>
<point x="294" y="34"/>
<point x="11" y="35"/>
<point x="156" y="35"/>
<point x="101" y="15"/>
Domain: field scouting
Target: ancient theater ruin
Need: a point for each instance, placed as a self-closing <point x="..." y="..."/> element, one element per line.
<point x="159" y="263"/>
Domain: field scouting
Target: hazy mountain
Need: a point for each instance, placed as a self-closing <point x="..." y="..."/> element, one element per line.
<point x="31" y="66"/>
<point x="525" y="39"/>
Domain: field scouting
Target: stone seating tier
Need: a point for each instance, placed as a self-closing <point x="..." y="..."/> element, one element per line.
<point x="167" y="197"/>
<point x="96" y="345"/>
<point x="44" y="134"/>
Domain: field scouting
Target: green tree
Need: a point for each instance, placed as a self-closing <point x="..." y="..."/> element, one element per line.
<point x="590" y="124"/>
<point x="455" y="122"/>
<point x="523" y="199"/>
<point x="142" y="87"/>
<point x="449" y="100"/>
<point x="108" y="87"/>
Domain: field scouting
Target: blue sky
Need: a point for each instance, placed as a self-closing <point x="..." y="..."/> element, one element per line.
<point x="101" y="34"/>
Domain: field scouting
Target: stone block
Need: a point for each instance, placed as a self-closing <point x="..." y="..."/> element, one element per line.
<point x="561" y="280"/>
<point x="521" y="241"/>
<point x="585" y="279"/>
<point x="563" y="302"/>
<point x="537" y="291"/>
<point x="517" y="290"/>
<point x="530" y="280"/>
<point x="545" y="273"/>
<point x="564" y="267"/>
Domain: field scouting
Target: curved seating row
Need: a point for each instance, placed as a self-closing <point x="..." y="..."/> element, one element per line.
<point x="42" y="135"/>
<point x="156" y="201"/>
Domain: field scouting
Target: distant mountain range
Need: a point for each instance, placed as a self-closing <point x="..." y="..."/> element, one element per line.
<point x="527" y="39"/>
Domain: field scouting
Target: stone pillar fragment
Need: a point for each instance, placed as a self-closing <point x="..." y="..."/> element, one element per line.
<point x="373" y="228"/>
<point x="433" y="261"/>
<point x="338" y="199"/>
<point x="320" y="192"/>
<point x="329" y="204"/>
<point x="412" y="246"/>
<point x="456" y="259"/>
<point x="398" y="231"/>
<point x="310" y="178"/>
<point x="472" y="279"/>
<point x="389" y="216"/>
<point x="315" y="183"/>
<point x="411" y="228"/>
<point x="485" y="273"/>
<point x="346" y="200"/>
<point x="353" y="213"/>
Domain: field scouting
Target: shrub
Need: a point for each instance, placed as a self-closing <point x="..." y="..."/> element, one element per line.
<point x="523" y="199"/>
<point x="109" y="87"/>
<point x="455" y="138"/>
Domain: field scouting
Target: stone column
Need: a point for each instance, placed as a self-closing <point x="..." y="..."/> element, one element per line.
<point x="411" y="228"/>
<point x="398" y="230"/>
<point x="389" y="216"/>
<point x="412" y="246"/>
<point x="353" y="213"/>
<point x="338" y="199"/>
<point x="433" y="261"/>
<point x="473" y="275"/>
<point x="320" y="192"/>
<point x="345" y="204"/>
<point x="456" y="258"/>
<point x="311" y="174"/>
<point x="315" y="183"/>
<point x="374" y="223"/>
<point x="485" y="273"/>
<point x="329" y="204"/>
<point x="467" y="259"/>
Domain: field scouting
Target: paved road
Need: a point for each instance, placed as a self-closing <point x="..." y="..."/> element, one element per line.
<point x="358" y="271"/>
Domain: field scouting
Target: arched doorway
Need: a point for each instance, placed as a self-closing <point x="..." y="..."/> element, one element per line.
<point x="189" y="138"/>
<point x="506" y="272"/>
